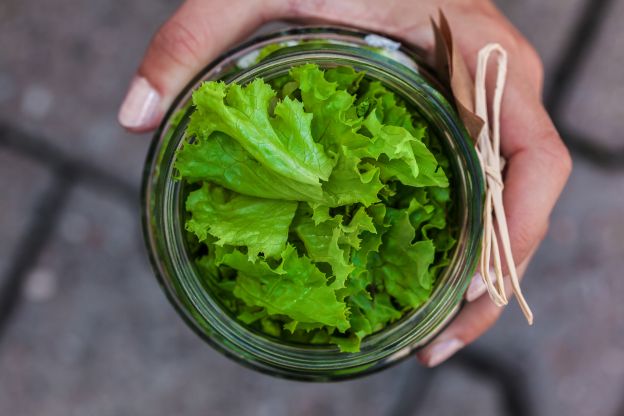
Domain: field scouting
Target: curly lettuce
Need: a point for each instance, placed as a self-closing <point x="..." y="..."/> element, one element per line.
<point x="318" y="204"/>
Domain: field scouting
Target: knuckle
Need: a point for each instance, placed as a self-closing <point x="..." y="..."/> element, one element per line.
<point x="522" y="239"/>
<point x="566" y="162"/>
<point x="515" y="43"/>
<point x="532" y="60"/>
<point x="512" y="41"/>
<point x="177" y="42"/>
<point x="521" y="46"/>
<point x="502" y="31"/>
<point x="302" y="8"/>
<point x="524" y="50"/>
<point x="557" y="154"/>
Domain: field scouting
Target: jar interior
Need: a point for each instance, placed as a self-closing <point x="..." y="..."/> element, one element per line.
<point x="185" y="189"/>
<point x="216" y="324"/>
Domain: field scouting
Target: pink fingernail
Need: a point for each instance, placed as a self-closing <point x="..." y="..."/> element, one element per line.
<point x="140" y="108"/>
<point x="442" y="350"/>
<point x="477" y="287"/>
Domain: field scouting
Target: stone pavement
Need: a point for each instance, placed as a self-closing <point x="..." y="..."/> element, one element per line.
<point x="85" y="329"/>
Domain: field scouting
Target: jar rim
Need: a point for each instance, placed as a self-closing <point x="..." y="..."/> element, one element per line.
<point x="161" y="209"/>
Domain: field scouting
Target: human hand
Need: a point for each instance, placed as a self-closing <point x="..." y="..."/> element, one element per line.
<point x="538" y="164"/>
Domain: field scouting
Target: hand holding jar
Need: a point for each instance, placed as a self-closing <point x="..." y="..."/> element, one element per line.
<point x="538" y="163"/>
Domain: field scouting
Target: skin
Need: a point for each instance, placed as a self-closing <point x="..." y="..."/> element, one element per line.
<point x="538" y="163"/>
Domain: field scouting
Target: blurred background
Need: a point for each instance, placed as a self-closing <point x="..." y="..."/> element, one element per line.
<point x="85" y="329"/>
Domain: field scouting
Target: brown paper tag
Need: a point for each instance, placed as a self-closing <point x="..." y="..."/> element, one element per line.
<point x="453" y="72"/>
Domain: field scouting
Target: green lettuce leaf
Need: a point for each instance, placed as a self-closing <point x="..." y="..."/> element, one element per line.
<point x="319" y="209"/>
<point x="259" y="224"/>
<point x="407" y="159"/>
<point x="352" y="182"/>
<point x="222" y="160"/>
<point x="335" y="122"/>
<point x="374" y="96"/>
<point x="345" y="77"/>
<point x="403" y="265"/>
<point x="321" y="243"/>
<point x="296" y="288"/>
<point x="282" y="143"/>
<point x="331" y="241"/>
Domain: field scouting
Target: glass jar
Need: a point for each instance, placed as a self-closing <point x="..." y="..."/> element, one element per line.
<point x="401" y="69"/>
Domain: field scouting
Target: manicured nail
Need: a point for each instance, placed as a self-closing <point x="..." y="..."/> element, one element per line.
<point x="477" y="286"/>
<point x="442" y="350"/>
<point x="140" y="108"/>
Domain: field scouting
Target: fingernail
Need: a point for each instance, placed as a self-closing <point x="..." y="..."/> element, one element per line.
<point x="442" y="351"/>
<point x="477" y="287"/>
<point x="139" y="109"/>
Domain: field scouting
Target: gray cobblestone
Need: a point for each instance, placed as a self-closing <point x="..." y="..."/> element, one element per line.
<point x="23" y="182"/>
<point x="455" y="389"/>
<point x="594" y="106"/>
<point x="68" y="64"/>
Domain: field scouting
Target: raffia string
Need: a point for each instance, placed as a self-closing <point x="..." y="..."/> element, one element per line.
<point x="488" y="149"/>
<point x="471" y="100"/>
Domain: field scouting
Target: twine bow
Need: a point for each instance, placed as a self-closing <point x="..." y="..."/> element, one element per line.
<point x="495" y="231"/>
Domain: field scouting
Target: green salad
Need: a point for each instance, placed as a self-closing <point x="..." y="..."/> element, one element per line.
<point x="318" y="204"/>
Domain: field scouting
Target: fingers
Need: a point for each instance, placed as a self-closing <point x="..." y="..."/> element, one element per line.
<point x="538" y="166"/>
<point x="472" y="322"/>
<point x="197" y="32"/>
<point x="201" y="29"/>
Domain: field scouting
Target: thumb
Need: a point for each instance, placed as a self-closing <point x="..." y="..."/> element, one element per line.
<point x="197" y="32"/>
